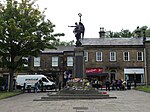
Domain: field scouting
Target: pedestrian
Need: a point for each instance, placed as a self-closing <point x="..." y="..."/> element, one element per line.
<point x="100" y="84"/>
<point x="36" y="87"/>
<point x="134" y="83"/>
<point x="119" y="84"/>
<point x="114" y="85"/>
<point x="41" y="86"/>
<point x="124" y="85"/>
<point x="107" y="83"/>
<point x="96" y="84"/>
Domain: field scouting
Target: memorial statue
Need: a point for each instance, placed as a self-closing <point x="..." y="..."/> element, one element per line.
<point x="78" y="31"/>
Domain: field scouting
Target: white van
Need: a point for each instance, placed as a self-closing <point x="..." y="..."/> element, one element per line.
<point x="30" y="80"/>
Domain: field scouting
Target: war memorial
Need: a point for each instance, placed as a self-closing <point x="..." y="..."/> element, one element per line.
<point x="78" y="87"/>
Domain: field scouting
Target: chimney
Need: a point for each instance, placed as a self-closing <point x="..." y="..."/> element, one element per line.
<point x="101" y="32"/>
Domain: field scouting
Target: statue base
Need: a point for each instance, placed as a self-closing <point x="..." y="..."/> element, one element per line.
<point x="76" y="94"/>
<point x="79" y="71"/>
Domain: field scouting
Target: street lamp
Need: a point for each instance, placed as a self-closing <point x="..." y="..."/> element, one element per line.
<point x="80" y="16"/>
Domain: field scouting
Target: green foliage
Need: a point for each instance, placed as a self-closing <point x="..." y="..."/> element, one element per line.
<point x="126" y="33"/>
<point x="148" y="32"/>
<point x="143" y="88"/>
<point x="57" y="42"/>
<point x="2" y="81"/>
<point x="138" y="32"/>
<point x="24" y="32"/>
<point x="122" y="34"/>
<point x="9" y="94"/>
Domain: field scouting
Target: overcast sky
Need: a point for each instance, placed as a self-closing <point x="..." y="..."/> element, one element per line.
<point x="113" y="15"/>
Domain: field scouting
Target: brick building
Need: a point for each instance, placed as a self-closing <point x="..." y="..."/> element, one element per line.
<point x="119" y="58"/>
<point x="113" y="58"/>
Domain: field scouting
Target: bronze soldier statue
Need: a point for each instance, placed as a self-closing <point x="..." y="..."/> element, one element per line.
<point x="78" y="31"/>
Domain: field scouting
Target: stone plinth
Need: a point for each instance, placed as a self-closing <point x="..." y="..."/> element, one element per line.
<point x="76" y="94"/>
<point x="79" y="71"/>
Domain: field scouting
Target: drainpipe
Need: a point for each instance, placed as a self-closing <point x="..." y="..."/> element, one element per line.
<point x="145" y="67"/>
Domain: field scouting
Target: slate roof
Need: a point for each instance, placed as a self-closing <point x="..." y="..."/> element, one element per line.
<point x="112" y="41"/>
<point x="60" y="49"/>
<point x="100" y="41"/>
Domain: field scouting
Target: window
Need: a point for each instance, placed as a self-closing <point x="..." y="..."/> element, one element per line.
<point x="44" y="80"/>
<point x="112" y="56"/>
<point x="86" y="56"/>
<point x="36" y="61"/>
<point x="98" y="56"/>
<point x="25" y="59"/>
<point x="139" y="56"/>
<point x="54" y="61"/>
<point x="69" y="61"/>
<point x="126" y="56"/>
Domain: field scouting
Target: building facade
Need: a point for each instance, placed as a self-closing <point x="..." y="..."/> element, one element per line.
<point x="119" y="58"/>
<point x="113" y="58"/>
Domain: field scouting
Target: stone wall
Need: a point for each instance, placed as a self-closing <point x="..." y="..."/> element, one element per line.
<point x="119" y="64"/>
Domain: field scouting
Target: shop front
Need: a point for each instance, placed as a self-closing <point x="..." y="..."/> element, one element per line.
<point x="134" y="74"/>
<point x="96" y="74"/>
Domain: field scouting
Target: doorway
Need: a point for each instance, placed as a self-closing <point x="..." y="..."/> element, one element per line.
<point x="112" y="75"/>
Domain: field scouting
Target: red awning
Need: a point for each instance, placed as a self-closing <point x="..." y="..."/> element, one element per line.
<point x="94" y="70"/>
<point x="97" y="74"/>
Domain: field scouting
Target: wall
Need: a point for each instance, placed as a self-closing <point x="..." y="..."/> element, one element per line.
<point x="117" y="65"/>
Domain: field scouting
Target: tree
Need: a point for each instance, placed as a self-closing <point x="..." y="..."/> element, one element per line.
<point x="148" y="32"/>
<point x="24" y="32"/>
<point x="122" y="34"/>
<point x="57" y="42"/>
<point x="125" y="33"/>
<point x="141" y="31"/>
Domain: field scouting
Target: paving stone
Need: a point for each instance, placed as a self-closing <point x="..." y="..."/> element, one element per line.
<point x="127" y="101"/>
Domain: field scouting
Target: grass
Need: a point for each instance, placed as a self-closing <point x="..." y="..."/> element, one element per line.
<point x="9" y="94"/>
<point x="143" y="88"/>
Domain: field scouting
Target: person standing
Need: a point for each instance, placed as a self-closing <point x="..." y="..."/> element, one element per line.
<point x="135" y="83"/>
<point x="114" y="85"/>
<point x="36" y="88"/>
<point x="107" y="83"/>
<point x="100" y="84"/>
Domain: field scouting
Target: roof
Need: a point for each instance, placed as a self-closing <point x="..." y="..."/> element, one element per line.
<point x="112" y="41"/>
<point x="100" y="41"/>
<point x="60" y="49"/>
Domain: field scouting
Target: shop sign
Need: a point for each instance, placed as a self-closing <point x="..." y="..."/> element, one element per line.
<point x="134" y="70"/>
<point x="94" y="70"/>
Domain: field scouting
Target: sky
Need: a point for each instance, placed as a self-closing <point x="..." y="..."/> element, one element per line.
<point x="113" y="15"/>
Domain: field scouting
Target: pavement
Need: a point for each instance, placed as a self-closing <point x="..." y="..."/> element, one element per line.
<point x="127" y="101"/>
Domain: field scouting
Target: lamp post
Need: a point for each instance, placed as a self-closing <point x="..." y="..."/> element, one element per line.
<point x="79" y="14"/>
